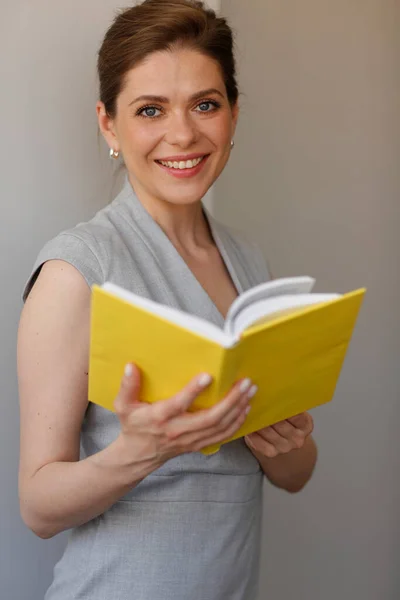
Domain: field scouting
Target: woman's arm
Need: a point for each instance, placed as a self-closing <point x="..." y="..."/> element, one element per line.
<point x="292" y="471"/>
<point x="57" y="490"/>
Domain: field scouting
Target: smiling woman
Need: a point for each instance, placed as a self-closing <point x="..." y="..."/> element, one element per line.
<point x="151" y="516"/>
<point x="173" y="108"/>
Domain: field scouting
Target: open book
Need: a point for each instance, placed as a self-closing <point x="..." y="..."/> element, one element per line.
<point x="290" y="341"/>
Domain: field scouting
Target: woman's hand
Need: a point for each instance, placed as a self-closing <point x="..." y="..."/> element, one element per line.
<point x="160" y="431"/>
<point x="286" y="452"/>
<point x="283" y="437"/>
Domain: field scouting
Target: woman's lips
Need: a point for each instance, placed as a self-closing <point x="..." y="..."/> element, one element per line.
<point x="184" y="173"/>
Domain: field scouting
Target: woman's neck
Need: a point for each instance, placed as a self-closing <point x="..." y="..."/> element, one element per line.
<point x="185" y="225"/>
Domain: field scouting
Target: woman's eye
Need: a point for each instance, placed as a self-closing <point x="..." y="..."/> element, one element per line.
<point x="150" y="112"/>
<point x="207" y="106"/>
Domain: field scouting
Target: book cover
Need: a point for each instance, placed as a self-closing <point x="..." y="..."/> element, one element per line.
<point x="295" y="359"/>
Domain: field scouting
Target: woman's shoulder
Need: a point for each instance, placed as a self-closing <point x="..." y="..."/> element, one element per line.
<point x="87" y="246"/>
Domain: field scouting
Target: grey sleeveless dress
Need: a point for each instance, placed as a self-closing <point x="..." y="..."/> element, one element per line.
<point x="191" y="530"/>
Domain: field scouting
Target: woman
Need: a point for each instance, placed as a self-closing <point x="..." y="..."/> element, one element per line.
<point x="150" y="516"/>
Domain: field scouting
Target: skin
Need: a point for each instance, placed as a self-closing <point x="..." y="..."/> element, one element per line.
<point x="57" y="490"/>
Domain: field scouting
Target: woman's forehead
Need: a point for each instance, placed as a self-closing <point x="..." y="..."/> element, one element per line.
<point x="181" y="73"/>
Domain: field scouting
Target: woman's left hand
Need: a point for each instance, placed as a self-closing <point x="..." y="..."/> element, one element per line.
<point x="282" y="437"/>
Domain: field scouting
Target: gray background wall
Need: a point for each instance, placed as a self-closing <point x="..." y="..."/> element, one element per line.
<point x="315" y="175"/>
<point x="316" y="142"/>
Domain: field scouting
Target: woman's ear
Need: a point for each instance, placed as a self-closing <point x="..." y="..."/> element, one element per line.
<point x="106" y="126"/>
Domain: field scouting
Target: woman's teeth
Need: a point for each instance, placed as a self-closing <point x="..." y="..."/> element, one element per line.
<point x="188" y="164"/>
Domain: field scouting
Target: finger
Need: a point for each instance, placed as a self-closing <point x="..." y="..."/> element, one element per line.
<point x="260" y="445"/>
<point x="231" y="422"/>
<point x="180" y="403"/>
<point x="206" y="440"/>
<point x="295" y="436"/>
<point x="285" y="429"/>
<point x="205" y="437"/>
<point x="282" y="444"/>
<point x="129" y="391"/>
<point x="220" y="416"/>
<point x="303" y="422"/>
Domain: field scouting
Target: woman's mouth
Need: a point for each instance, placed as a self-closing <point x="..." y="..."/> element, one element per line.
<point x="183" y="168"/>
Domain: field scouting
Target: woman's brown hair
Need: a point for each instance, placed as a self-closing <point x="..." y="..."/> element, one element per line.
<point x="159" y="25"/>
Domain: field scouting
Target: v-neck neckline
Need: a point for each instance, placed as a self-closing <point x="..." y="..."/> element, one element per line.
<point x="159" y="237"/>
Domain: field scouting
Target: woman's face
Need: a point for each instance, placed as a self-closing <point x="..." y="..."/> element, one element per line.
<point x="174" y="126"/>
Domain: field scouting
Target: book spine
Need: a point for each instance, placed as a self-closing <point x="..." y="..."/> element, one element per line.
<point x="230" y="359"/>
<point x="229" y="363"/>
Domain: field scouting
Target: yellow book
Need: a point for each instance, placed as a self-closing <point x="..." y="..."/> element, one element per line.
<point x="289" y="341"/>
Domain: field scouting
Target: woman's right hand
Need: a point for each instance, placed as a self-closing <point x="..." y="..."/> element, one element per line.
<point x="160" y="431"/>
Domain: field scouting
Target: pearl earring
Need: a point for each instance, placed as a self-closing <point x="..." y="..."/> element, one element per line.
<point x="232" y="144"/>
<point x="114" y="153"/>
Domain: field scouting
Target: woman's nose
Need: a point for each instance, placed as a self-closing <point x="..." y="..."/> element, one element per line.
<point x="181" y="131"/>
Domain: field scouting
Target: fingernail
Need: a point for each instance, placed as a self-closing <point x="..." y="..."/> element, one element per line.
<point x="204" y="380"/>
<point x="128" y="371"/>
<point x="248" y="409"/>
<point x="253" y="391"/>
<point x="245" y="385"/>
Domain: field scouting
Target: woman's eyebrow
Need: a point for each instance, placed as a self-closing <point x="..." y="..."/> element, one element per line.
<point x="165" y="100"/>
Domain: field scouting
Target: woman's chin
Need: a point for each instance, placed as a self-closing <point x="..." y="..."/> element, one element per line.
<point x="184" y="197"/>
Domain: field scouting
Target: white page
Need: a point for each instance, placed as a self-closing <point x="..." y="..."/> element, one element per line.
<point x="243" y="312"/>
<point x="277" y="287"/>
<point x="273" y="306"/>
